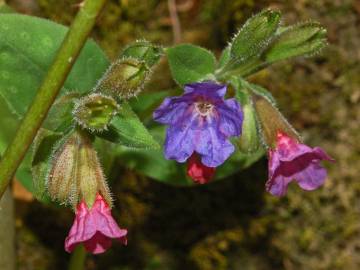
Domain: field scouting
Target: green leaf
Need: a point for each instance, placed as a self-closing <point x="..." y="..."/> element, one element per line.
<point x="27" y="48"/>
<point x="147" y="102"/>
<point x="153" y="164"/>
<point x="256" y="89"/>
<point x="225" y="57"/>
<point x="126" y="129"/>
<point x="8" y="124"/>
<point x="60" y="115"/>
<point x="189" y="63"/>
<point x="44" y="145"/>
<point x="302" y="39"/>
<point x="254" y="36"/>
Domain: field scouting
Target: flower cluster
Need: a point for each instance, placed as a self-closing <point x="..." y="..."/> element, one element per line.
<point x="200" y="123"/>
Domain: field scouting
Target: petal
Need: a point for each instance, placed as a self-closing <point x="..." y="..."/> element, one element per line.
<point x="277" y="186"/>
<point x="105" y="223"/>
<point x="199" y="172"/>
<point x="312" y="177"/>
<point x="231" y="118"/>
<point x="99" y="243"/>
<point x="213" y="147"/>
<point x="322" y="155"/>
<point x="206" y="88"/>
<point x="82" y="229"/>
<point x="179" y="143"/>
<point x="171" y="111"/>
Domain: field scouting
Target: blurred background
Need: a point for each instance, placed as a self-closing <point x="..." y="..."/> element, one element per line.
<point x="234" y="223"/>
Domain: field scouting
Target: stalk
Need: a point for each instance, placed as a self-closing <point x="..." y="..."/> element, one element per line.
<point x="49" y="89"/>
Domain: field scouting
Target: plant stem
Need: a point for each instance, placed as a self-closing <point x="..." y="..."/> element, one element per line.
<point x="54" y="80"/>
<point x="7" y="232"/>
<point x="78" y="257"/>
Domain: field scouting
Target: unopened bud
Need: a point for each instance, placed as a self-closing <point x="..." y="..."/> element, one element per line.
<point x="249" y="141"/>
<point x="125" y="78"/>
<point x="255" y="35"/>
<point x="143" y="50"/>
<point x="95" y="111"/>
<point x="76" y="173"/>
<point x="302" y="39"/>
<point x="271" y="121"/>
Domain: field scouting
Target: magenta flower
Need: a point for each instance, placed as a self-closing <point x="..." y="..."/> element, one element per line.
<point x="199" y="172"/>
<point x="94" y="228"/>
<point x="200" y="121"/>
<point x="291" y="160"/>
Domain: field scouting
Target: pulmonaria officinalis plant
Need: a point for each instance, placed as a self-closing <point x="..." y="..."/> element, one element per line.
<point x="215" y="131"/>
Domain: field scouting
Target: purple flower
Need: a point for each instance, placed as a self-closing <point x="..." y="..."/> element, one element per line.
<point x="291" y="160"/>
<point x="94" y="228"/>
<point x="200" y="121"/>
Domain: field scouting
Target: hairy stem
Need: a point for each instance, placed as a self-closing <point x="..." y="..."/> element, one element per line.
<point x="55" y="78"/>
<point x="77" y="261"/>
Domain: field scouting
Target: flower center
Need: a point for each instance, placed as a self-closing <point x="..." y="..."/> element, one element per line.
<point x="204" y="108"/>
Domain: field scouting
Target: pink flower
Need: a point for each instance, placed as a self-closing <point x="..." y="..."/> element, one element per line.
<point x="94" y="228"/>
<point x="291" y="160"/>
<point x="199" y="172"/>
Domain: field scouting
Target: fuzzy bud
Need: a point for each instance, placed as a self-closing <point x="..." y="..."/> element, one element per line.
<point x="144" y="51"/>
<point x="255" y="35"/>
<point x="95" y="111"/>
<point x="271" y="121"/>
<point x="125" y="78"/>
<point x="249" y="139"/>
<point x="301" y="39"/>
<point x="76" y="173"/>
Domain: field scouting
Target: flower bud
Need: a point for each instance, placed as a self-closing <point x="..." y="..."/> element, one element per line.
<point x="125" y="78"/>
<point x="199" y="172"/>
<point x="249" y="140"/>
<point x="271" y="121"/>
<point x="144" y="51"/>
<point x="76" y="173"/>
<point x="255" y="35"/>
<point x="302" y="39"/>
<point x="95" y="111"/>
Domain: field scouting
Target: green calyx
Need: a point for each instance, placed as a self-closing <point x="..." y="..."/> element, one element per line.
<point x="143" y="50"/>
<point x="75" y="173"/>
<point x="301" y="39"/>
<point x="124" y="79"/>
<point x="95" y="111"/>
